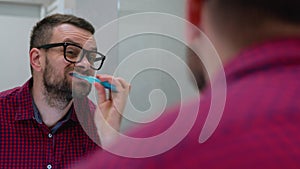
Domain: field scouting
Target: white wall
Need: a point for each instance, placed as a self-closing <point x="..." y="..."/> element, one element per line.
<point x="145" y="95"/>
<point x="16" y="23"/>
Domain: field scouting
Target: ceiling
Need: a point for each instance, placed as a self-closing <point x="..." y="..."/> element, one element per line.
<point x="34" y="2"/>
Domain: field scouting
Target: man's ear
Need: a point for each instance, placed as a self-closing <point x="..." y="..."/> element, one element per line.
<point x="35" y="59"/>
<point x="194" y="15"/>
<point x="194" y="9"/>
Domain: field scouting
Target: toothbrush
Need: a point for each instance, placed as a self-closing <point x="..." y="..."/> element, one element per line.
<point x="92" y="79"/>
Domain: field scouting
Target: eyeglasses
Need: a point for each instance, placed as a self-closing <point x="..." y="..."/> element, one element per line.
<point x="74" y="54"/>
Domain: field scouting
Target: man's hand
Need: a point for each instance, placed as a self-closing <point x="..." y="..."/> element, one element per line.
<point x="109" y="110"/>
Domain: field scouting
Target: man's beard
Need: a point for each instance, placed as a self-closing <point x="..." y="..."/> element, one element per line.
<point x="58" y="90"/>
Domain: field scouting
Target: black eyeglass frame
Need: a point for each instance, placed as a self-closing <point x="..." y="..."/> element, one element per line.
<point x="85" y="52"/>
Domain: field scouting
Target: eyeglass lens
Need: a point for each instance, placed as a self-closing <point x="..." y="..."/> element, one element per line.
<point x="75" y="54"/>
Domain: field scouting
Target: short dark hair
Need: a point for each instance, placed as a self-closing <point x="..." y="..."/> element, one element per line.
<point x="284" y="10"/>
<point x="245" y="22"/>
<point x="42" y="31"/>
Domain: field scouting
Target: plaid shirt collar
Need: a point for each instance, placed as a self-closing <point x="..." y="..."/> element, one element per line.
<point x="251" y="59"/>
<point x="29" y="111"/>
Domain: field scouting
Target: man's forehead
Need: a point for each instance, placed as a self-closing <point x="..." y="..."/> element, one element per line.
<point x="70" y="33"/>
<point x="90" y="43"/>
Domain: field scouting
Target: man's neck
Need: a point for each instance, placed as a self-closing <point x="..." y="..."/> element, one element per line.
<point x="50" y="113"/>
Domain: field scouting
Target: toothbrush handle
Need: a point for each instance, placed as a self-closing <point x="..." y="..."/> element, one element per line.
<point x="107" y="85"/>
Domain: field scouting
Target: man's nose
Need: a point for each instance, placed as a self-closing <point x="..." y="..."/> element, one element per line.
<point x="84" y="63"/>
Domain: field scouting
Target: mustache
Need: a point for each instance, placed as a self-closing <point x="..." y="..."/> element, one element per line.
<point x="80" y="71"/>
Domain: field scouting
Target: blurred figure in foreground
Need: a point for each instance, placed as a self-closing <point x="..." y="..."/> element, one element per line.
<point x="259" y="44"/>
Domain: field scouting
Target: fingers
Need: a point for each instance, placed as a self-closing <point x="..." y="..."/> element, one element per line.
<point x="120" y="83"/>
<point x="122" y="87"/>
<point x="100" y="92"/>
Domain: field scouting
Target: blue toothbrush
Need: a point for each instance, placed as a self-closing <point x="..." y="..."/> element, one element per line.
<point x="92" y="79"/>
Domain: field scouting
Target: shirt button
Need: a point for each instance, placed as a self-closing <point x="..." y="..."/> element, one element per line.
<point x="50" y="135"/>
<point x="49" y="166"/>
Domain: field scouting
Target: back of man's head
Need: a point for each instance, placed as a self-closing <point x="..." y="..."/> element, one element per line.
<point x="285" y="10"/>
<point x="240" y="23"/>
<point x="252" y="16"/>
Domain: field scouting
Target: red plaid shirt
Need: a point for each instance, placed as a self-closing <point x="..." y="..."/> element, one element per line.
<point x="259" y="127"/>
<point x="26" y="142"/>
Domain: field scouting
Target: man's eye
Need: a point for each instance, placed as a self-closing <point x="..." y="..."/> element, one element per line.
<point x="71" y="53"/>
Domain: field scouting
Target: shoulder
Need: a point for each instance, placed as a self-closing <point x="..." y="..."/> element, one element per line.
<point x="8" y="97"/>
<point x="16" y="94"/>
<point x="9" y="93"/>
<point x="13" y="100"/>
<point x="16" y="91"/>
